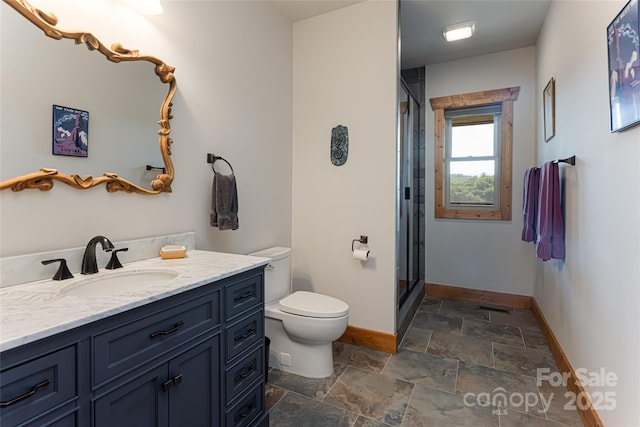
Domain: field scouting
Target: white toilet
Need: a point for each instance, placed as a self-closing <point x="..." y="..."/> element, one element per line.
<point x="301" y="325"/>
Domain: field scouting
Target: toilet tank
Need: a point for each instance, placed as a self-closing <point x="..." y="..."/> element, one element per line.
<point x="277" y="274"/>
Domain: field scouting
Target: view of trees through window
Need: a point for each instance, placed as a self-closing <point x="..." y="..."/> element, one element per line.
<point x="471" y="189"/>
<point x="472" y="162"/>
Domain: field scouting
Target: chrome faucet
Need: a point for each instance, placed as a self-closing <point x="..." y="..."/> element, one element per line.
<point x="89" y="264"/>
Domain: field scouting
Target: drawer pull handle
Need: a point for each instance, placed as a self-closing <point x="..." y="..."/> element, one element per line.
<point x="244" y="414"/>
<point x="177" y="379"/>
<point x="249" y="371"/>
<point x="175" y="328"/>
<point x="167" y="384"/>
<point x="246" y="335"/>
<point x="245" y="295"/>
<point x="27" y="395"/>
<point x="171" y="382"/>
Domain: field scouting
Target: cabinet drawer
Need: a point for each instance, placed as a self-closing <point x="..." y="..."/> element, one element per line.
<point x="131" y="344"/>
<point x="247" y="409"/>
<point x="67" y="416"/>
<point x="244" y="373"/>
<point x="243" y="296"/>
<point x="34" y="387"/>
<point x="244" y="334"/>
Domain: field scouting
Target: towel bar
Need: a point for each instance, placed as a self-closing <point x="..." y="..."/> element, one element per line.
<point x="158" y="168"/>
<point x="569" y="160"/>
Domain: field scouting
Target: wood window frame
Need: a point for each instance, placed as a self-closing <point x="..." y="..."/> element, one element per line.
<point x="505" y="97"/>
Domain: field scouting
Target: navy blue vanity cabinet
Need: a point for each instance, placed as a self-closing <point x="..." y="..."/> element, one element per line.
<point x="192" y="359"/>
<point x="244" y="353"/>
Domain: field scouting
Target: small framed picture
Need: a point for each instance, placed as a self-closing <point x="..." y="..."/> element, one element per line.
<point x="549" y="106"/>
<point x="70" y="132"/>
<point x="624" y="68"/>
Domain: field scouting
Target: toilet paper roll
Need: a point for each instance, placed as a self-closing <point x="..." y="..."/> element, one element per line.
<point x="361" y="254"/>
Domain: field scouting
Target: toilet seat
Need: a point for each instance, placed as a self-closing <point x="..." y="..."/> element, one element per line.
<point x="310" y="304"/>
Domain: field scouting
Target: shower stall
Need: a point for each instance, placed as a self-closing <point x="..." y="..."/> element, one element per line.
<point x="409" y="201"/>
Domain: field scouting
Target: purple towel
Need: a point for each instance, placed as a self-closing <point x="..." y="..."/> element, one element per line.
<point x="550" y="225"/>
<point x="530" y="204"/>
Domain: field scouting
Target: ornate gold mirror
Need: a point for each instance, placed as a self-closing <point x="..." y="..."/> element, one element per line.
<point x="121" y="141"/>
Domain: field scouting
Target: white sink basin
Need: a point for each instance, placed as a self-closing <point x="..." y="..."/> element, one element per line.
<point x="122" y="282"/>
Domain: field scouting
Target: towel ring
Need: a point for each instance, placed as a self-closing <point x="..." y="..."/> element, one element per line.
<point x="212" y="158"/>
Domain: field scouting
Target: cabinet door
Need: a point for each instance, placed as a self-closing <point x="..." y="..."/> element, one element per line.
<point x="183" y="392"/>
<point x="194" y="398"/>
<point x="141" y="402"/>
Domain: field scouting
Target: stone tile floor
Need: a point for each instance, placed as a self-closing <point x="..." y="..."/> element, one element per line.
<point x="458" y="365"/>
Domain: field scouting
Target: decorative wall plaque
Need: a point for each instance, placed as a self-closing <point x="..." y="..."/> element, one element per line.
<point x="339" y="145"/>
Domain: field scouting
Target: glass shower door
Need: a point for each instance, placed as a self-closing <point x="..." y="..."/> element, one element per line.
<point x="408" y="180"/>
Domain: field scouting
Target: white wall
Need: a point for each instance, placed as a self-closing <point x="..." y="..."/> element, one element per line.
<point x="234" y="70"/>
<point x="345" y="73"/>
<point x="487" y="255"/>
<point x="591" y="300"/>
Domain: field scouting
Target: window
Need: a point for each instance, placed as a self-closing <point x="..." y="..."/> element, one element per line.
<point x="473" y="154"/>
<point x="472" y="158"/>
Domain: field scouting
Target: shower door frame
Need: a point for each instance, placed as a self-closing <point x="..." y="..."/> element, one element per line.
<point x="412" y="247"/>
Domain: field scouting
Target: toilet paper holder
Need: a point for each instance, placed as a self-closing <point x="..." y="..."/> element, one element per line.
<point x="363" y="240"/>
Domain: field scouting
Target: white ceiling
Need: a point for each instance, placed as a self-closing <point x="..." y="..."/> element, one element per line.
<point x="500" y="25"/>
<point x="297" y="10"/>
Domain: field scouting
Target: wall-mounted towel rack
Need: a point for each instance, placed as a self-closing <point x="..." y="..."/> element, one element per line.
<point x="212" y="158"/>
<point x="569" y="160"/>
<point x="156" y="168"/>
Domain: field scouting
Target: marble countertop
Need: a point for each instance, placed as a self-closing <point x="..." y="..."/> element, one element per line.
<point x="31" y="311"/>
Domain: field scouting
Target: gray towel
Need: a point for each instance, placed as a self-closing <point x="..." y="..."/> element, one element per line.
<point x="224" y="202"/>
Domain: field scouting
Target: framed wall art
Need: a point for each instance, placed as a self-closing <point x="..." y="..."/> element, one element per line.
<point x="623" y="41"/>
<point x="549" y="107"/>
<point x="70" y="132"/>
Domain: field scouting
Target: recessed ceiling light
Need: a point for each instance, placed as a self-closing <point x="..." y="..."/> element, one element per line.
<point x="460" y="31"/>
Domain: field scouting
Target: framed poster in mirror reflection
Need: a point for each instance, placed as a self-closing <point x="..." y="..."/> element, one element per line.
<point x="70" y="132"/>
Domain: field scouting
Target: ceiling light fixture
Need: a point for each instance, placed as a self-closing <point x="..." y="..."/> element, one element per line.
<point x="460" y="31"/>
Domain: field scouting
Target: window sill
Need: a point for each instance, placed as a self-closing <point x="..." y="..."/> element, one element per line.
<point x="472" y="214"/>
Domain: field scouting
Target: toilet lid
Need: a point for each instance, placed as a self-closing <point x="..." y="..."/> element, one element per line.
<point x="313" y="305"/>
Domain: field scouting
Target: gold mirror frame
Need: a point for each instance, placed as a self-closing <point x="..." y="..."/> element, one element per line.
<point x="43" y="179"/>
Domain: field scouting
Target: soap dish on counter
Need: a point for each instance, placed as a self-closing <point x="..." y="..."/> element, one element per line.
<point x="173" y="251"/>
